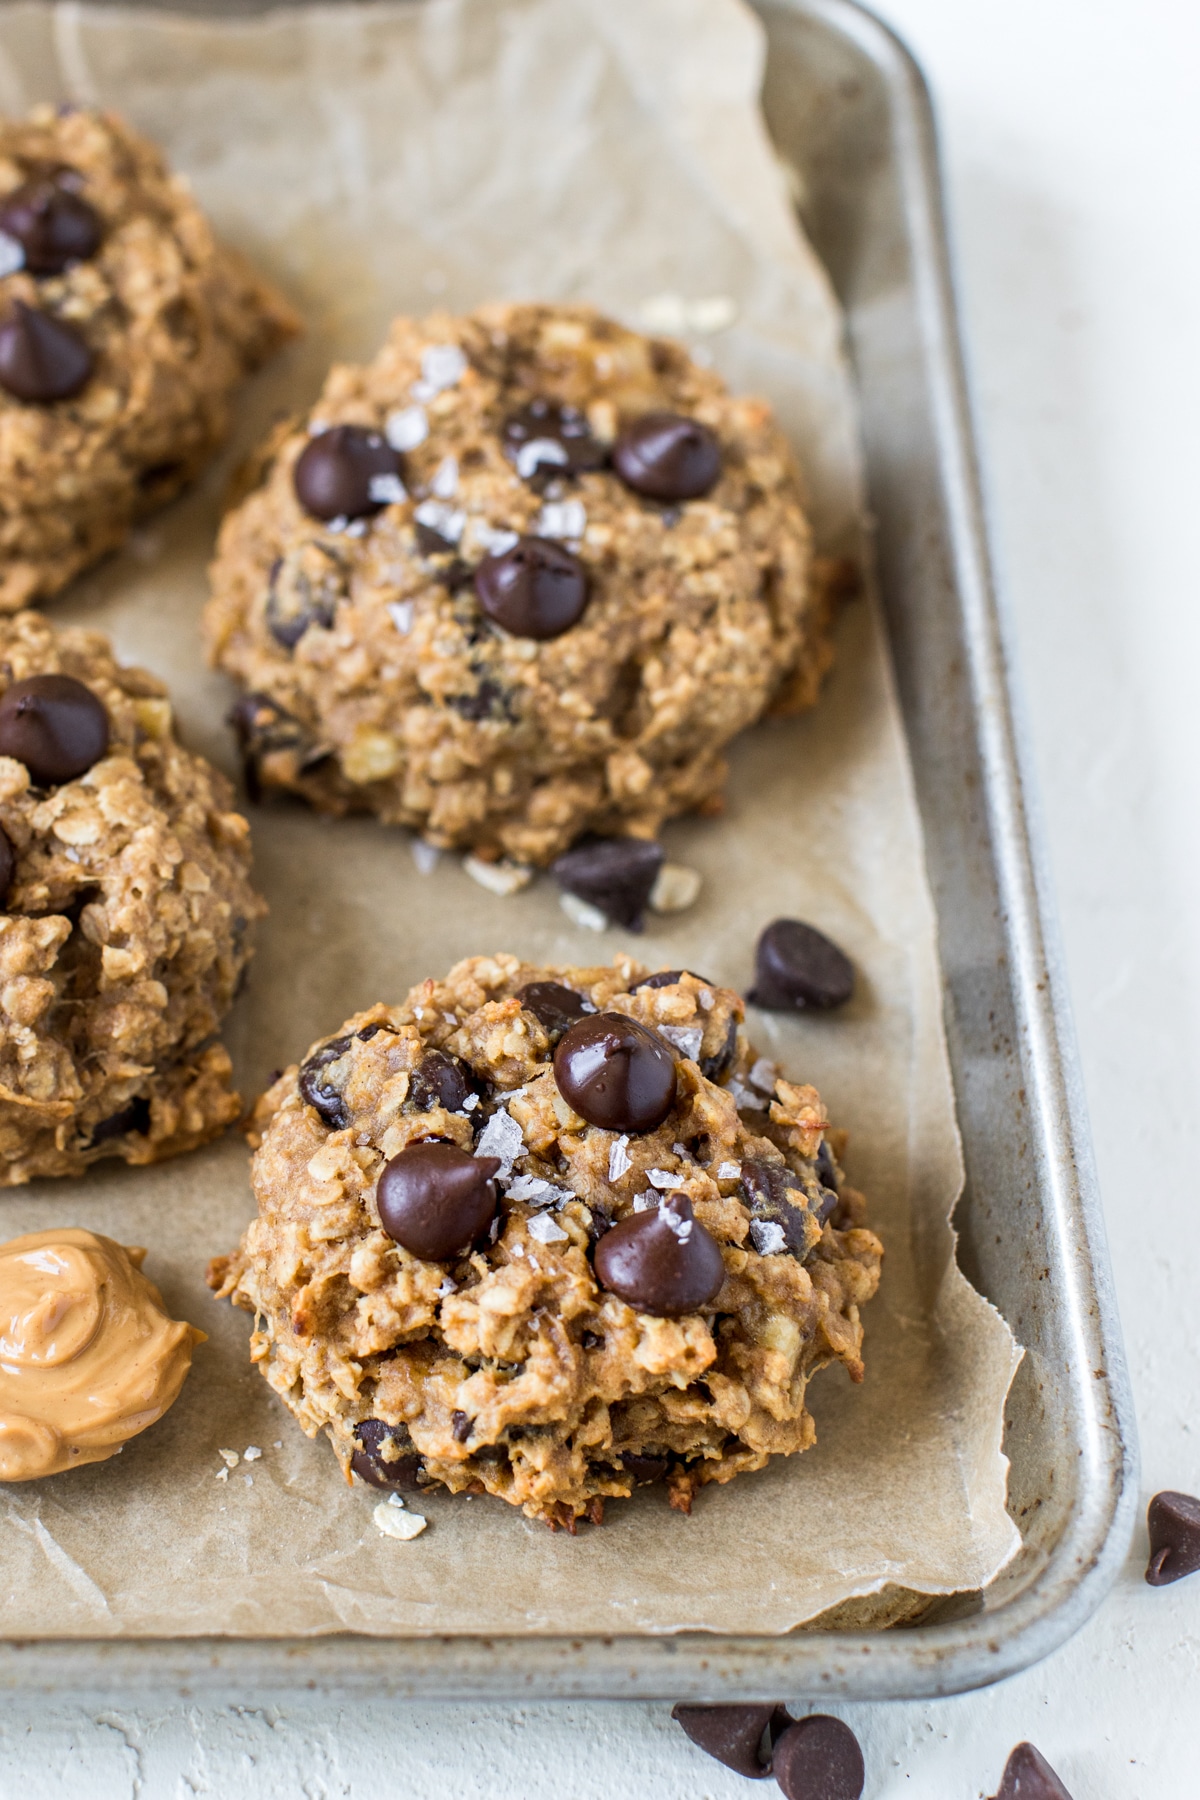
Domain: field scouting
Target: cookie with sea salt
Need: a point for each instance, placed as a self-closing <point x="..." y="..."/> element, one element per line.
<point x="550" y="1233"/>
<point x="125" y="913"/>
<point x="520" y="579"/>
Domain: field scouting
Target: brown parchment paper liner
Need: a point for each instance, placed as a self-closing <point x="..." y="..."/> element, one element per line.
<point x="388" y="158"/>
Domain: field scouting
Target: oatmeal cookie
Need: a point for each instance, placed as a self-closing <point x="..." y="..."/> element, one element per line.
<point x="549" y="1234"/>
<point x="124" y="882"/>
<point x="124" y="331"/>
<point x="521" y="578"/>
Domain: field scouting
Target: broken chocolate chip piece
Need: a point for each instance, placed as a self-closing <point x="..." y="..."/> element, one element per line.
<point x="439" y="1080"/>
<point x="317" y="1088"/>
<point x="646" y="1470"/>
<point x="661" y="1262"/>
<point x="548" y="439"/>
<point x="303" y="590"/>
<point x="665" y="977"/>
<point x="615" y="875"/>
<point x="1173" y="1520"/>
<point x="733" y="1735"/>
<point x="776" y="1196"/>
<point x="818" y="1758"/>
<point x="796" y="967"/>
<point x="372" y="1463"/>
<point x="554" y="1006"/>
<point x="1028" y="1776"/>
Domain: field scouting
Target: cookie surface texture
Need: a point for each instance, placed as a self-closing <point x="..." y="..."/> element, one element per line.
<point x="124" y="933"/>
<point x="124" y="330"/>
<point x="508" y="1367"/>
<point x="509" y="645"/>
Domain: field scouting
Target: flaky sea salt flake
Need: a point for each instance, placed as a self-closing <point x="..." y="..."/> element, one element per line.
<point x="645" y="1202"/>
<point x="546" y="1229"/>
<point x="687" y="1039"/>
<point x="445" y="478"/>
<point x="619" y="1159"/>
<point x="681" y="1227"/>
<point x="406" y="428"/>
<point x="537" y="453"/>
<point x="426" y="856"/>
<point x="662" y="1178"/>
<point x="729" y="1171"/>
<point x="562" y="519"/>
<point x="764" y="1075"/>
<point x="386" y="490"/>
<point x="438" y="515"/>
<point x="12" y="255"/>
<point x="442" y="366"/>
<point x="767" y="1237"/>
<point x="400" y="612"/>
<point x="501" y="1137"/>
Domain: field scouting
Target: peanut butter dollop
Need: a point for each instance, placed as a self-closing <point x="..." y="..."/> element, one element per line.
<point x="88" y="1354"/>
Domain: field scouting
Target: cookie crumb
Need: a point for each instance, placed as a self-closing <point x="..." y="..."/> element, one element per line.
<point x="394" y="1522"/>
<point x="503" y="878"/>
<point x="590" y="918"/>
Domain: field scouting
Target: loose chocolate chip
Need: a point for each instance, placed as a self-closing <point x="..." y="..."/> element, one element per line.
<point x="732" y="1734"/>
<point x="537" y="589"/>
<point x="343" y="473"/>
<point x="667" y="457"/>
<point x="55" y="726"/>
<point x="53" y="226"/>
<point x="547" y="439"/>
<point x="661" y="1261"/>
<point x="615" y="1073"/>
<point x="664" y="977"/>
<point x="645" y="1470"/>
<point x="818" y="1758"/>
<point x="461" y="1424"/>
<point x="316" y="1088"/>
<point x="615" y="875"/>
<point x="41" y="358"/>
<point x="8" y="864"/>
<point x="717" y="1066"/>
<point x="371" y="1463"/>
<point x="777" y="1197"/>
<point x="132" y="1119"/>
<point x="554" y="1006"/>
<point x="1174" y="1523"/>
<point x="435" y="1200"/>
<point x="795" y="967"/>
<point x="439" y="1080"/>
<point x="1028" y="1776"/>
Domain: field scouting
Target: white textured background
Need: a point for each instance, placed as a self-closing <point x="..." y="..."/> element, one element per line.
<point x="1071" y="133"/>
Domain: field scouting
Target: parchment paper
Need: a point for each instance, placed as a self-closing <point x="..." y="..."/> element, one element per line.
<point x="380" y="159"/>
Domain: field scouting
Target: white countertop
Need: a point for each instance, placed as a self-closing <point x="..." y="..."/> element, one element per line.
<point x="1072" y="142"/>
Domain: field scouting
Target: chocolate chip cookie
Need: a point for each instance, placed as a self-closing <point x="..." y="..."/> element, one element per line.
<point x="550" y="1233"/>
<point x="125" y="908"/>
<point x="521" y="578"/>
<point x="124" y="331"/>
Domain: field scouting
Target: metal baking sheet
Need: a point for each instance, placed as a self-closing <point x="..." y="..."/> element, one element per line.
<point x="849" y="113"/>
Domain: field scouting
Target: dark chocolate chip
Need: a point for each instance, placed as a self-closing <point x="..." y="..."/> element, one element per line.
<point x="42" y="359"/>
<point x="339" y="473"/>
<point x="133" y="1119"/>
<point x="615" y="875"/>
<point x="489" y="701"/>
<point x="537" y="589"/>
<point x="461" y="1425"/>
<point x="615" y="1073"/>
<point x="662" y="1261"/>
<point x="795" y="967"/>
<point x="547" y="439"/>
<point x="53" y="226"/>
<point x="667" y="457"/>
<point x="733" y="1735"/>
<point x="591" y="1340"/>
<point x="818" y="1758"/>
<point x="1174" y="1523"/>
<point x="554" y="1006"/>
<point x="826" y="1167"/>
<point x="1028" y="1776"/>
<point x="8" y="864"/>
<point x="439" y="1080"/>
<point x="645" y="1470"/>
<point x="263" y="726"/>
<point x="303" y="591"/>
<point x="55" y="726"/>
<point x="664" y="977"/>
<point x="777" y="1197"/>
<point x="431" y="542"/>
<point x="401" y="1470"/>
<point x="717" y="1066"/>
<point x="316" y="1087"/>
<point x="435" y="1200"/>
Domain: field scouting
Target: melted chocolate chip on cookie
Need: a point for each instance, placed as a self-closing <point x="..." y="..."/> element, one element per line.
<point x="439" y="1080"/>
<point x="372" y="1464"/>
<point x="317" y="1087"/>
<point x="615" y="1073"/>
<point x="41" y="358"/>
<point x="662" y="1261"/>
<point x="667" y="457"/>
<point x="55" y="726"/>
<point x="346" y="473"/>
<point x="435" y="1200"/>
<point x="554" y="1006"/>
<point x="537" y="589"/>
<point x="53" y="226"/>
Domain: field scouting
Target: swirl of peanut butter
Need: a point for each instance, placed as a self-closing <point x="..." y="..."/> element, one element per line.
<point x="88" y="1354"/>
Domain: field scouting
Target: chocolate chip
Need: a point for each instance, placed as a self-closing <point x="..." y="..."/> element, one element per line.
<point x="431" y="542"/>
<point x="615" y="1073"/>
<point x="461" y="1425"/>
<point x="826" y="1167"/>
<point x="435" y="1200"/>
<point x="615" y="875"/>
<point x="664" y="977"/>
<point x="316" y="1087"/>
<point x="132" y="1120"/>
<point x="343" y="473"/>
<point x="303" y="591"/>
<point x="537" y="589"/>
<point x="661" y="1261"/>
<point x="667" y="457"/>
<point x="489" y="701"/>
<point x="818" y="1758"/>
<point x="1174" y="1523"/>
<point x="55" y="726"/>
<point x="263" y="727"/>
<point x="554" y="1006"/>
<point x="547" y="439"/>
<point x="796" y="966"/>
<point x="732" y="1734"/>
<point x="590" y="1340"/>
<point x="8" y="864"/>
<point x="439" y="1080"/>
<point x="776" y="1196"/>
<point x="717" y="1066"/>
<point x="646" y="1470"/>
<point x="400" y="1470"/>
<point x="1028" y="1776"/>
<point x="41" y="358"/>
<point x="52" y="226"/>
